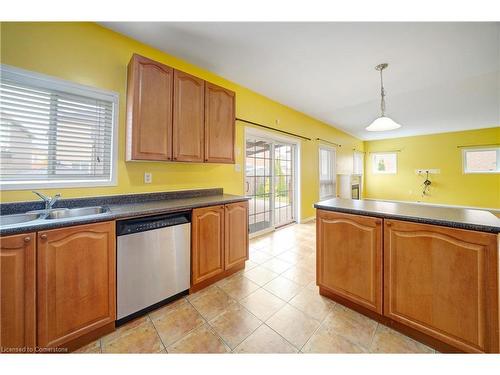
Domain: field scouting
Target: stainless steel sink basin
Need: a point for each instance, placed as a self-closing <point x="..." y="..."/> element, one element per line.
<point x="62" y="213"/>
<point x="18" y="218"/>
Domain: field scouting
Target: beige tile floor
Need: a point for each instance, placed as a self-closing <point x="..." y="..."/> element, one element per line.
<point x="273" y="306"/>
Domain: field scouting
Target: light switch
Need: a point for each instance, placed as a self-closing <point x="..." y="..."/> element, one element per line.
<point x="237" y="167"/>
<point x="148" y="177"/>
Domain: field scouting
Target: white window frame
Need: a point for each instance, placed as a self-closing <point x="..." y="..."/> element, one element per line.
<point x="334" y="171"/>
<point x="464" y="160"/>
<point x="362" y="155"/>
<point x="375" y="171"/>
<point x="49" y="82"/>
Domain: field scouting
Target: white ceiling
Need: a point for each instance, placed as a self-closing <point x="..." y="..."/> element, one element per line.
<point x="442" y="76"/>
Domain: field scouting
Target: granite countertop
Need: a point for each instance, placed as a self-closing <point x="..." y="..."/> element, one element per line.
<point x="478" y="220"/>
<point x="119" y="207"/>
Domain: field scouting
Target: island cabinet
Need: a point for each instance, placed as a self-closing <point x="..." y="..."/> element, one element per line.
<point x="175" y="116"/>
<point x="18" y="293"/>
<point x="443" y="282"/>
<point x="349" y="257"/>
<point x="219" y="242"/>
<point x="76" y="282"/>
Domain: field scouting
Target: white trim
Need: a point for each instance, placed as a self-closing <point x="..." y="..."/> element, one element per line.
<point x="334" y="171"/>
<point x="307" y="220"/>
<point x="273" y="137"/>
<point x="464" y="164"/>
<point x="434" y="204"/>
<point x="54" y="83"/>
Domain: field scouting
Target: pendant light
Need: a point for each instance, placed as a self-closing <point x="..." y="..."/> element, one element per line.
<point x="382" y="123"/>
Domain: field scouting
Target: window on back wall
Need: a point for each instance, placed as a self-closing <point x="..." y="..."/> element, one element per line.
<point x="55" y="133"/>
<point x="481" y="160"/>
<point x="384" y="163"/>
<point x="327" y="187"/>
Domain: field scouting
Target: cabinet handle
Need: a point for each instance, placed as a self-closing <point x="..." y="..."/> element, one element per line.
<point x="389" y="224"/>
<point x="43" y="236"/>
<point x="27" y="239"/>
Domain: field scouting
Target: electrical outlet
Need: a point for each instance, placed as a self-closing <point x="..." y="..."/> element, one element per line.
<point x="430" y="171"/>
<point x="148" y="177"/>
<point x="237" y="167"/>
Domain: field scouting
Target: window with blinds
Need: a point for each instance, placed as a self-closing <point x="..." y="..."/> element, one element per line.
<point x="55" y="133"/>
<point x="327" y="174"/>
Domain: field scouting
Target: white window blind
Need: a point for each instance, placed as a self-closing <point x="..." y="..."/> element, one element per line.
<point x="327" y="177"/>
<point x="481" y="160"/>
<point x="54" y="133"/>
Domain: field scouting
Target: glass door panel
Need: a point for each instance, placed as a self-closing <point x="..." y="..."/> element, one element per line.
<point x="258" y="179"/>
<point x="270" y="183"/>
<point x="283" y="184"/>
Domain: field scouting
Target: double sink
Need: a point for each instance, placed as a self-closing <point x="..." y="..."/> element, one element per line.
<point x="51" y="214"/>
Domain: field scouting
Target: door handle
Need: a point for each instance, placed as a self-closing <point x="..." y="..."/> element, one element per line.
<point x="248" y="186"/>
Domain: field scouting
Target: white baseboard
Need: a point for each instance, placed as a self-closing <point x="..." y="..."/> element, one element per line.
<point x="307" y="220"/>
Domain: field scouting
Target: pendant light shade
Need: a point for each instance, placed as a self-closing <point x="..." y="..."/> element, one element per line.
<point x="383" y="123"/>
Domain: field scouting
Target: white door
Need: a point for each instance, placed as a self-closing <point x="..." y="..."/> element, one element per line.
<point x="270" y="182"/>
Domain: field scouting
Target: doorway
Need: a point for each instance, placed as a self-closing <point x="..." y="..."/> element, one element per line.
<point x="270" y="181"/>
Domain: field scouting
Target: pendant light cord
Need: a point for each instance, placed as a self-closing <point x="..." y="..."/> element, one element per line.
<point x="382" y="94"/>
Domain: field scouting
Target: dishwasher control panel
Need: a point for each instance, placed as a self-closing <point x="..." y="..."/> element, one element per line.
<point x="143" y="224"/>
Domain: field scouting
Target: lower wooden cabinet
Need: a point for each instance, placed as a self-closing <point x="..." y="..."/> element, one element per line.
<point x="18" y="292"/>
<point x="207" y="245"/>
<point x="219" y="242"/>
<point x="236" y="234"/>
<point x="76" y="282"/>
<point x="443" y="282"/>
<point x="349" y="257"/>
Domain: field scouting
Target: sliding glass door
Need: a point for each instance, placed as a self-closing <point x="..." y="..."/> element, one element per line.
<point x="270" y="182"/>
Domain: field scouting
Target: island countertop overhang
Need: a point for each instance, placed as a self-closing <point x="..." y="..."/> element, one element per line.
<point x="453" y="217"/>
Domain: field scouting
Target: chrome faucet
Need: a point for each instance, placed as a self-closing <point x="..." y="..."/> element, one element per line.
<point x="49" y="201"/>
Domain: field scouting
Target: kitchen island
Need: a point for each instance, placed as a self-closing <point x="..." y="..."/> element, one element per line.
<point x="430" y="272"/>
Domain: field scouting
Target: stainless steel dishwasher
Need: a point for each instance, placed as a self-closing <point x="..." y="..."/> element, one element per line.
<point x="153" y="262"/>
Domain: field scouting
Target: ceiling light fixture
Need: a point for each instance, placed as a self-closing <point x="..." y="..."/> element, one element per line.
<point x="382" y="123"/>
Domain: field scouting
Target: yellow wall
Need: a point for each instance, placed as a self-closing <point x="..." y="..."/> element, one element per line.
<point x="90" y="54"/>
<point x="437" y="151"/>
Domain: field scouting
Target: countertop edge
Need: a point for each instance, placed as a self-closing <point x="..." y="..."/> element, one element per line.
<point x="421" y="220"/>
<point x="109" y="216"/>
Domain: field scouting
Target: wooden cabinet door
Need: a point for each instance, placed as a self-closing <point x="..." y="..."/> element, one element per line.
<point x="76" y="282"/>
<point x="443" y="282"/>
<point x="17" y="292"/>
<point x="219" y="124"/>
<point x="207" y="243"/>
<point x="188" y="126"/>
<point x="236" y="234"/>
<point x="349" y="257"/>
<point x="149" y="110"/>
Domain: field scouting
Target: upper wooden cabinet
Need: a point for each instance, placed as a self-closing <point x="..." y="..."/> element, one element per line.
<point x="18" y="292"/>
<point x="149" y="110"/>
<point x="236" y="234"/>
<point x="188" y="126"/>
<point x="443" y="282"/>
<point x="174" y="116"/>
<point x="219" y="124"/>
<point x="349" y="251"/>
<point x="76" y="282"/>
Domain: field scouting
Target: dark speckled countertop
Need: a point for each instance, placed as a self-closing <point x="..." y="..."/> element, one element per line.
<point x="478" y="220"/>
<point x="119" y="207"/>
